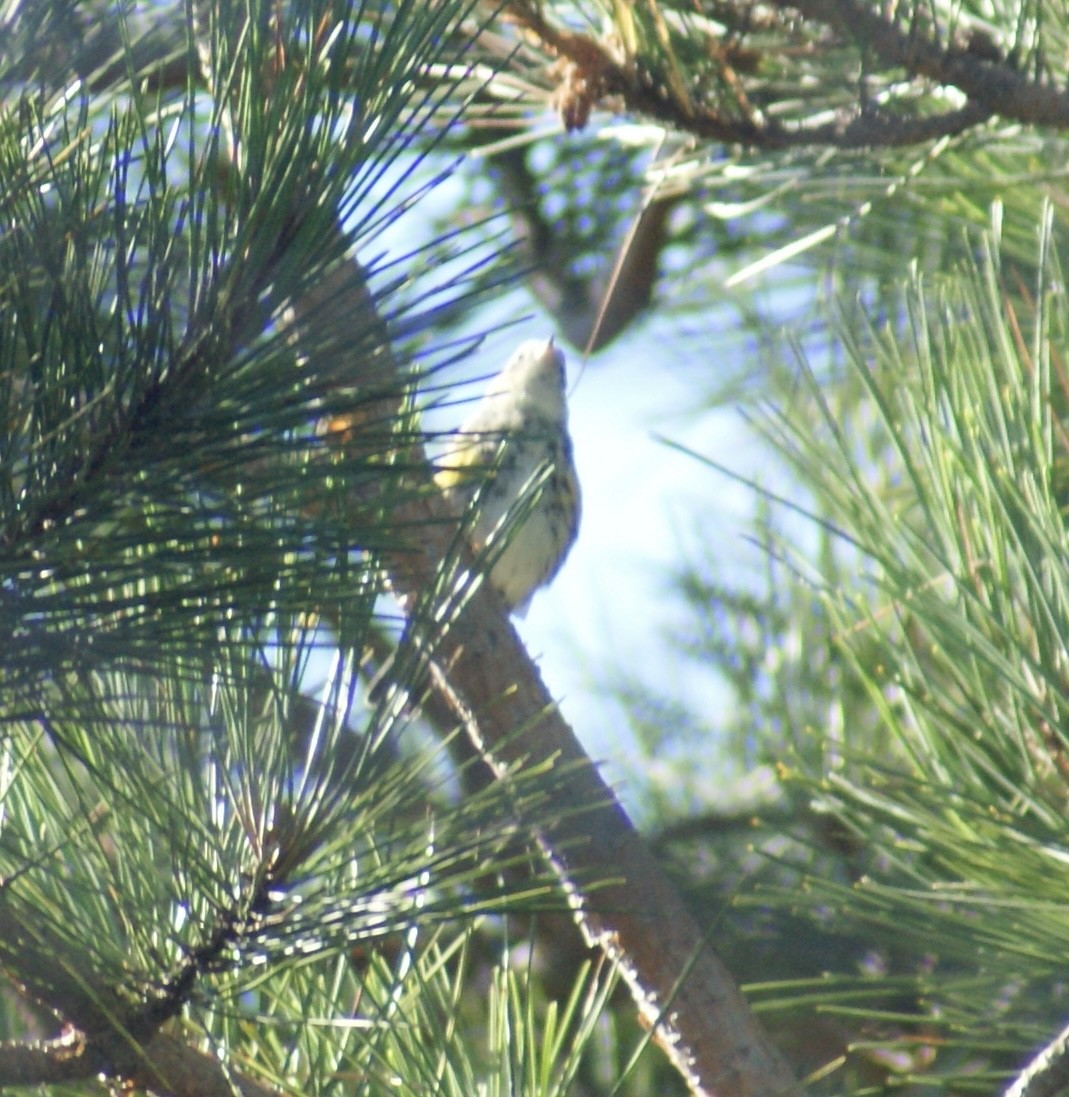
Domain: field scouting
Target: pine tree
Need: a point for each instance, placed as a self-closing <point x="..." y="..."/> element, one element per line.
<point x="228" y="868"/>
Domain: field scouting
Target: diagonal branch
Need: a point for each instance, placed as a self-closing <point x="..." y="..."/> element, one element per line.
<point x="483" y="673"/>
<point x="1047" y="1074"/>
<point x="620" y="895"/>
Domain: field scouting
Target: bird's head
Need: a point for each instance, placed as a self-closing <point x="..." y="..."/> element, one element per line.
<point x="535" y="377"/>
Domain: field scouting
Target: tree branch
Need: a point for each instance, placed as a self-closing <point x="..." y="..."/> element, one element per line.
<point x="46" y="1062"/>
<point x="991" y="85"/>
<point x="176" y="1070"/>
<point x="621" y="897"/>
<point x="1047" y="1074"/>
<point x="994" y="85"/>
<point x="105" y="1033"/>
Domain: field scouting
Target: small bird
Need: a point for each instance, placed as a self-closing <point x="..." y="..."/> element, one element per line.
<point x="512" y="458"/>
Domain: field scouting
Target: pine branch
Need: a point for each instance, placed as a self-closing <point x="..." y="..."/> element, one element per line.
<point x="645" y="81"/>
<point x="619" y="893"/>
<point x="1047" y="1074"/>
<point x="635" y="916"/>
<point x="994" y="86"/>
<point x="109" y="1035"/>
<point x="176" y="1069"/>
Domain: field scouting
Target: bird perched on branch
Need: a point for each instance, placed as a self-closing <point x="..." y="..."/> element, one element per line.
<point x="512" y="460"/>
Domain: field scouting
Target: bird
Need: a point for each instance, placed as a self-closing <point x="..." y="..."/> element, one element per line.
<point x="510" y="470"/>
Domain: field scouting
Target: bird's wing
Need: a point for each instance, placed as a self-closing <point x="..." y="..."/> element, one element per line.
<point x="469" y="457"/>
